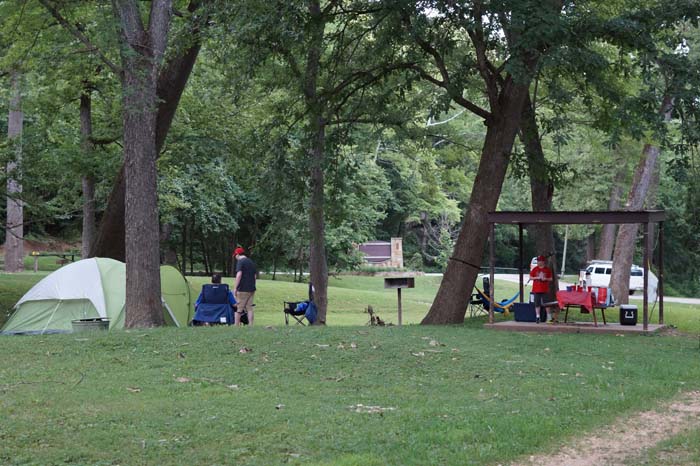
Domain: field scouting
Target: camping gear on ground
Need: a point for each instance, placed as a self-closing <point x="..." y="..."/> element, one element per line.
<point x="628" y="314"/>
<point x="92" y="288"/>
<point x="300" y="311"/>
<point x="87" y="325"/>
<point x="524" y="312"/>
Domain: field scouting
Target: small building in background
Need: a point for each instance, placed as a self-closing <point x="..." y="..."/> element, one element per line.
<point x="383" y="253"/>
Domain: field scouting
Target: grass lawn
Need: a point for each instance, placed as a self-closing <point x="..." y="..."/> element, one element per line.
<point x="346" y="394"/>
<point x="337" y="395"/>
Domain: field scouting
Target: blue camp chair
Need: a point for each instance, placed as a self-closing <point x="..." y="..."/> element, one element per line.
<point x="300" y="311"/>
<point x="214" y="307"/>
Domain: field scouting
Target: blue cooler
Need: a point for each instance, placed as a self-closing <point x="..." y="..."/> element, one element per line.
<point x="524" y="312"/>
<point x="628" y="314"/>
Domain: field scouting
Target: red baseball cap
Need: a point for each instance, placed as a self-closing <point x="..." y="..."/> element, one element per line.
<point x="238" y="250"/>
<point x="541" y="258"/>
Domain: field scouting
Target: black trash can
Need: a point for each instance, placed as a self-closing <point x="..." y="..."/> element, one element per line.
<point x="628" y="314"/>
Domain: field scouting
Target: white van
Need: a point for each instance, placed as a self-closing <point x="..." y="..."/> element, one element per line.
<point x="600" y="276"/>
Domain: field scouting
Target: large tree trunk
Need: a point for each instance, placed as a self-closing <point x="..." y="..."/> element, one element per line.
<point x="627" y="234"/>
<point x="607" y="233"/>
<point x="541" y="189"/>
<point x="450" y="304"/>
<point x="142" y="51"/>
<point x="88" y="181"/>
<point x="318" y="266"/>
<point x="171" y="84"/>
<point x="14" y="229"/>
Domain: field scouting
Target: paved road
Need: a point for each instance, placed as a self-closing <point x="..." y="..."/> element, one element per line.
<point x="562" y="286"/>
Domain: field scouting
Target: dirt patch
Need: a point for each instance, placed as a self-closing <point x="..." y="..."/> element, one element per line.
<point x="671" y="331"/>
<point x="627" y="438"/>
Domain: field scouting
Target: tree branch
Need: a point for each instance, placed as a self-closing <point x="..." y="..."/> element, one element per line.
<point x="444" y="73"/>
<point x="485" y="68"/>
<point x="80" y="36"/>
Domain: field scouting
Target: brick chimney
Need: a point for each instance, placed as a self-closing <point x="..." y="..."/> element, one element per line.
<point x="397" y="252"/>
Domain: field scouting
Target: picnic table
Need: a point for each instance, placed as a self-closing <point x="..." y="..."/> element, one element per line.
<point x="62" y="257"/>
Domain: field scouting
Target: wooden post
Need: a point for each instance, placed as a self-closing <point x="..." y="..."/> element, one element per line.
<point x="492" y="261"/>
<point x="521" y="262"/>
<point x="398" y="291"/>
<point x="645" y="300"/>
<point x="398" y="282"/>
<point x="36" y="263"/>
<point x="660" y="289"/>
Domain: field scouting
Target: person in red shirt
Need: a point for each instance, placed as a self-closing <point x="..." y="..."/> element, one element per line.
<point x="541" y="277"/>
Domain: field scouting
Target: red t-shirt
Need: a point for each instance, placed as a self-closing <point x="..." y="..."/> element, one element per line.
<point x="540" y="286"/>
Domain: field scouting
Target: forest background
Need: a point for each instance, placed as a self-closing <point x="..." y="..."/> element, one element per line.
<point x="400" y="147"/>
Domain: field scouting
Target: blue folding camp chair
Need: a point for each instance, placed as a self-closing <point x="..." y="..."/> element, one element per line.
<point x="214" y="308"/>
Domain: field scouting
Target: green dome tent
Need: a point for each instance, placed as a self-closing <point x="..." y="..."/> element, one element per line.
<point x="90" y="289"/>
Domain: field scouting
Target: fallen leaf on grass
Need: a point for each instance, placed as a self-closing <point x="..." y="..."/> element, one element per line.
<point x="419" y="354"/>
<point x="183" y="380"/>
<point x="353" y="345"/>
<point x="322" y="346"/>
<point x="245" y="350"/>
<point x="335" y="379"/>
<point x="133" y="389"/>
<point x="360" y="408"/>
<point x="233" y="387"/>
<point x="436" y="343"/>
<point x="181" y="355"/>
<point x="279" y="406"/>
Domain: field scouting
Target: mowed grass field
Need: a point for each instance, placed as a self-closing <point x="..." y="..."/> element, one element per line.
<point x="344" y="394"/>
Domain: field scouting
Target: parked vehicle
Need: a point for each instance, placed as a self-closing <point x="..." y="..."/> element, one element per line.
<point x="600" y="272"/>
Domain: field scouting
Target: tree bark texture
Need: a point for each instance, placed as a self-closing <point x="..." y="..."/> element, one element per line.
<point x="14" y="228"/>
<point x="142" y="51"/>
<point x="88" y="181"/>
<point x="607" y="232"/>
<point x="541" y="189"/>
<point x="171" y="84"/>
<point x="450" y="304"/>
<point x="318" y="265"/>
<point x="626" y="240"/>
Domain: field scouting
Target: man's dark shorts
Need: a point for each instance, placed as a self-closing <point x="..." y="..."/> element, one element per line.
<point x="539" y="299"/>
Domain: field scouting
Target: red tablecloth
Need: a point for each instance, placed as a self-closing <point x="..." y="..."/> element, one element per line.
<point x="579" y="298"/>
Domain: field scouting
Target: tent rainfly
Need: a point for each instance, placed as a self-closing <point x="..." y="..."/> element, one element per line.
<point x="92" y="288"/>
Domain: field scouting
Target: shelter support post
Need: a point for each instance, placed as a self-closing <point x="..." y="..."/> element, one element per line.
<point x="647" y="256"/>
<point x="521" y="260"/>
<point x="492" y="263"/>
<point x="660" y="288"/>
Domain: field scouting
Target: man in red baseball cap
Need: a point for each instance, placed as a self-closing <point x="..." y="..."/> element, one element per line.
<point x="244" y="289"/>
<point x="541" y="277"/>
